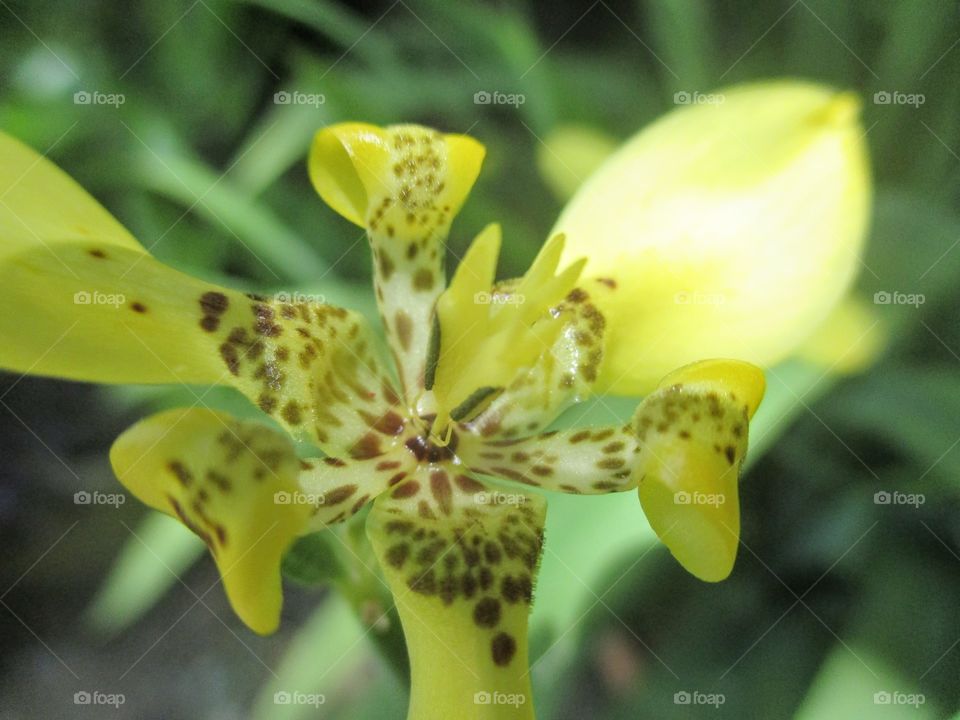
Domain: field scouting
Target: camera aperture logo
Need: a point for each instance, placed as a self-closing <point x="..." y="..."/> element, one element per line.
<point x="97" y="697"/>
<point x="695" y="697"/>
<point x="98" y="498"/>
<point x="699" y="298"/>
<point x="299" y="298"/>
<point x="284" y="697"/>
<point x="895" y="697"/>
<point x="688" y="97"/>
<point x="295" y="97"/>
<point x="485" y="298"/>
<point x="895" y="97"/>
<point x="282" y="497"/>
<point x="682" y="497"/>
<point x="95" y="297"/>
<point x="484" y="97"/>
<point x="883" y="297"/>
<point x="495" y="497"/>
<point x="95" y="97"/>
<point x="884" y="497"/>
<point x="499" y="698"/>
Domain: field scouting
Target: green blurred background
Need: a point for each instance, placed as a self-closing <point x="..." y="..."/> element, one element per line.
<point x="834" y="598"/>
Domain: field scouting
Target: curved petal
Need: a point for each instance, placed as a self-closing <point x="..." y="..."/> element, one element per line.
<point x="377" y="177"/>
<point x="404" y="184"/>
<point x="692" y="434"/>
<point x="232" y="483"/>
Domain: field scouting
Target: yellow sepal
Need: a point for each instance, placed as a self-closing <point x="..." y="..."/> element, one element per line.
<point x="692" y="434"/>
<point x="232" y="483"/>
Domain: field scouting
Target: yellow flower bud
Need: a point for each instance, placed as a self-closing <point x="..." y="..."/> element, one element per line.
<point x="728" y="229"/>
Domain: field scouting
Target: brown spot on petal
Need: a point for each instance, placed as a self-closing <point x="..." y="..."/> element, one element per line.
<point x="408" y="489"/>
<point x="338" y="495"/>
<point x="442" y="492"/>
<point x="486" y="613"/>
<point x="423" y="280"/>
<point x="404" y="328"/>
<point x="468" y="484"/>
<point x="502" y="648"/>
<point x="214" y="303"/>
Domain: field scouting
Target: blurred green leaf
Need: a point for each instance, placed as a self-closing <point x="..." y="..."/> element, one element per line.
<point x="160" y="551"/>
<point x="854" y="684"/>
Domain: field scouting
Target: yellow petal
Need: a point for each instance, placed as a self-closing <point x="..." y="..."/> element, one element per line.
<point x="234" y="484"/>
<point x="108" y="314"/>
<point x="339" y="488"/>
<point x="570" y="337"/>
<point x="376" y="176"/>
<point x="494" y="338"/>
<point x="461" y="561"/>
<point x="41" y="204"/>
<point x="693" y="437"/>
<point x="86" y="302"/>
<point x="584" y="461"/>
<point x="728" y="229"/>
<point x="404" y="184"/>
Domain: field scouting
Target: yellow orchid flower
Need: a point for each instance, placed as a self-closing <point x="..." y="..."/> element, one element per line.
<point x="453" y="460"/>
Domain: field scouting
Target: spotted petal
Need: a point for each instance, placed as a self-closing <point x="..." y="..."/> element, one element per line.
<point x="583" y="461"/>
<point x="404" y="184"/>
<point x="496" y="340"/>
<point x="561" y="374"/>
<point x="340" y="488"/>
<point x="232" y="483"/>
<point x="460" y="559"/>
<point x="85" y="302"/>
<point x="693" y="437"/>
